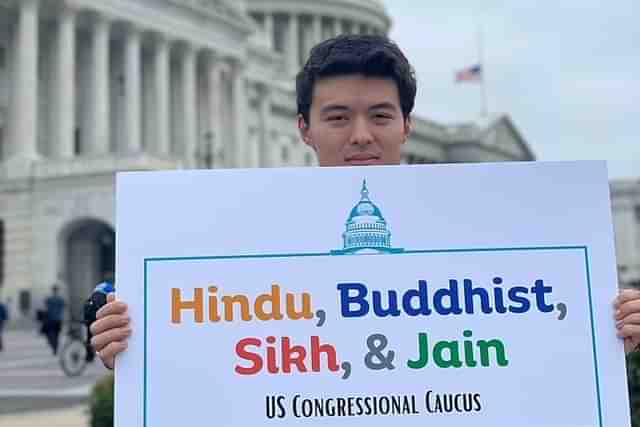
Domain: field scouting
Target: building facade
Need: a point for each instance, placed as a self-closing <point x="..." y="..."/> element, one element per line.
<point x="625" y="201"/>
<point x="88" y="88"/>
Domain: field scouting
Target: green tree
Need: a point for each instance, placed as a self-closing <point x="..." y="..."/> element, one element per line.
<point x="101" y="403"/>
<point x="633" y="376"/>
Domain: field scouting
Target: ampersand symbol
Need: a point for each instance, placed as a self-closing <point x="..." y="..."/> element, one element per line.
<point x="375" y="358"/>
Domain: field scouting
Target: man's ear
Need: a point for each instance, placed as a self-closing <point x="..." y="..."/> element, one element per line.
<point x="305" y="133"/>
<point x="408" y="127"/>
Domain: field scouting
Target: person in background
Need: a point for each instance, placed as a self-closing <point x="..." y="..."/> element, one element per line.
<point x="4" y="317"/>
<point x="53" y="317"/>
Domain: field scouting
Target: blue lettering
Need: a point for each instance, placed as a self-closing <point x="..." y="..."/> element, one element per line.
<point x="454" y="299"/>
<point x="359" y="299"/>
<point x="540" y="289"/>
<point x="392" y="310"/>
<point x="469" y="292"/>
<point x="525" y="305"/>
<point x="423" y="300"/>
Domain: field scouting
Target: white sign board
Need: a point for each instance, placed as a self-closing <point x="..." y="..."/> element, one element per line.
<point x="448" y="295"/>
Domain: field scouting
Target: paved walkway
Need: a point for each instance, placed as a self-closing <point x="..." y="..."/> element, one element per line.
<point x="28" y="369"/>
<point x="34" y="391"/>
<point x="71" y="417"/>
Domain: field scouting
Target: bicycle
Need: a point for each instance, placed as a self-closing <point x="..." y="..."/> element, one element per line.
<point x="76" y="353"/>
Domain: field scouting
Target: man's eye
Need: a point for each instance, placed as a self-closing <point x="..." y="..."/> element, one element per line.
<point x="382" y="119"/>
<point x="336" y="118"/>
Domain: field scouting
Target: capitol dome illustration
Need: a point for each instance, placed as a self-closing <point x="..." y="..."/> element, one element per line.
<point x="366" y="229"/>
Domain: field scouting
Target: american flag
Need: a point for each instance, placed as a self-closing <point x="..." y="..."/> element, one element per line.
<point x="470" y="74"/>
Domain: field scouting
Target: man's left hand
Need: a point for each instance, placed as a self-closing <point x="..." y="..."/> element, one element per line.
<point x="627" y="315"/>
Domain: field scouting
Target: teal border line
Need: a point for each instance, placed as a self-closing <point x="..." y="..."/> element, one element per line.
<point x="593" y="332"/>
<point x="144" y="392"/>
<point x="585" y="249"/>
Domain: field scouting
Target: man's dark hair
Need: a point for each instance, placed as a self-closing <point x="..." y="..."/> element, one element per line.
<point x="369" y="55"/>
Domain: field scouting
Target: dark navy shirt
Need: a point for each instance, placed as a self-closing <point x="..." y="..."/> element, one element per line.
<point x="55" y="308"/>
<point x="4" y="315"/>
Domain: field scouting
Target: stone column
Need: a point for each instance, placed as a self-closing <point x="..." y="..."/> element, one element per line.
<point x="624" y="219"/>
<point x="293" y="43"/>
<point x="161" y="115"/>
<point x="98" y="132"/>
<point x="345" y="27"/>
<point x="189" y="71"/>
<point x="269" y="28"/>
<point x="133" y="92"/>
<point x="214" y="78"/>
<point x="265" y="150"/>
<point x="239" y="93"/>
<point x="335" y="30"/>
<point x="317" y="31"/>
<point x="24" y="107"/>
<point x="64" y="109"/>
<point x="327" y="31"/>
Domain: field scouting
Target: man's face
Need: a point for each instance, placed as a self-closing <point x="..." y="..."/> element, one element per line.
<point x="355" y="120"/>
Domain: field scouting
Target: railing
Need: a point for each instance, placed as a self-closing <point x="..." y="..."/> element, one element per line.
<point x="86" y="165"/>
<point x="210" y="5"/>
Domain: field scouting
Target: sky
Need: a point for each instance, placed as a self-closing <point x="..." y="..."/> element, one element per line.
<point x="566" y="71"/>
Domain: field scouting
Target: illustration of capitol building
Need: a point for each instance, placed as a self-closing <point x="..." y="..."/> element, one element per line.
<point x="366" y="229"/>
<point x="88" y="88"/>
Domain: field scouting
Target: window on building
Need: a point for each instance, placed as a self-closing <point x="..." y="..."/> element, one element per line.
<point x="2" y="252"/>
<point x="284" y="154"/>
<point x="258" y="18"/>
<point x="279" y="33"/>
<point x="308" y="159"/>
<point x="2" y="144"/>
<point x="76" y="142"/>
<point x="24" y="301"/>
<point x="3" y="57"/>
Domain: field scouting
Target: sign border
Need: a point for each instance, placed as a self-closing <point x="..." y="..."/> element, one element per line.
<point x="585" y="249"/>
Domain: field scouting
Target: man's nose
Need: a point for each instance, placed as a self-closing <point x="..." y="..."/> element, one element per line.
<point x="361" y="134"/>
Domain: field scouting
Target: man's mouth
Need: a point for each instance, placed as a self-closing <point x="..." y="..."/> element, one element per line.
<point x="362" y="159"/>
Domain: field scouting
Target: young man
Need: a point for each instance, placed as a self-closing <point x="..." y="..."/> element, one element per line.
<point x="355" y="96"/>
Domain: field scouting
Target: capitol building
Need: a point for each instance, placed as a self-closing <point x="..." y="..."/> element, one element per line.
<point x="367" y="232"/>
<point x="88" y="88"/>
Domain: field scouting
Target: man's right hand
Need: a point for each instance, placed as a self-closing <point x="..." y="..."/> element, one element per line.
<point x="110" y="330"/>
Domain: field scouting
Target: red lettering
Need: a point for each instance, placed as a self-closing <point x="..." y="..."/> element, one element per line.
<point x="250" y="356"/>
<point x="272" y="365"/>
<point x="292" y="355"/>
<point x="328" y="349"/>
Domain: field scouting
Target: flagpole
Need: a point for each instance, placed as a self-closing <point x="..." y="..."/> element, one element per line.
<point x="483" y="73"/>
